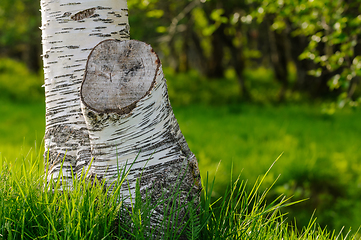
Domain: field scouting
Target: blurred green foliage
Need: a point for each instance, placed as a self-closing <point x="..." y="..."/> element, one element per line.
<point x="320" y="38"/>
<point x="20" y="36"/>
<point x="193" y="88"/>
<point x="17" y="83"/>
<point x="333" y="33"/>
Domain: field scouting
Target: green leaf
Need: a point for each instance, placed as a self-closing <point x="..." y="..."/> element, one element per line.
<point x="161" y="29"/>
<point x="156" y="13"/>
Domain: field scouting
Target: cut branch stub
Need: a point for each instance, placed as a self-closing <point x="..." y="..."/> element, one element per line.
<point x="118" y="74"/>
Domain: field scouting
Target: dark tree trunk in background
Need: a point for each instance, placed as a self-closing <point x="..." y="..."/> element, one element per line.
<point x="185" y="55"/>
<point x="201" y="60"/>
<point x="215" y="64"/>
<point x="316" y="86"/>
<point x="32" y="56"/>
<point x="278" y="49"/>
<point x="238" y="62"/>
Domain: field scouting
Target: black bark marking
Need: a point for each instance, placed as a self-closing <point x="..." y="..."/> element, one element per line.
<point x="105" y="20"/>
<point x="74" y="3"/>
<point x="83" y="14"/>
<point x="66" y="14"/>
<point x="104" y="8"/>
<point x="72" y="47"/>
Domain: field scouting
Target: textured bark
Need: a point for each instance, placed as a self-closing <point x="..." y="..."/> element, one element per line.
<point x="130" y="120"/>
<point x="107" y="100"/>
<point x="70" y="30"/>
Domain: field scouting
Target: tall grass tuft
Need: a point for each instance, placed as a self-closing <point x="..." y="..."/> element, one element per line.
<point x="33" y="208"/>
<point x="240" y="214"/>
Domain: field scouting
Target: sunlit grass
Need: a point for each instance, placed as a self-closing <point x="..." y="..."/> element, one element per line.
<point x="32" y="208"/>
<point x="22" y="126"/>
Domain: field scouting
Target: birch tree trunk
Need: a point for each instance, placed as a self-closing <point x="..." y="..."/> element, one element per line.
<point x="107" y="101"/>
<point x="70" y="30"/>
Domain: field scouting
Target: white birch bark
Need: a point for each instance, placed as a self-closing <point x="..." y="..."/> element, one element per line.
<point x="130" y="121"/>
<point x="70" y="30"/>
<point x="116" y="109"/>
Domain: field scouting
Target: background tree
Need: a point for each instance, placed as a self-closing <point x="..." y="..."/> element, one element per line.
<point x="324" y="39"/>
<point x="19" y="32"/>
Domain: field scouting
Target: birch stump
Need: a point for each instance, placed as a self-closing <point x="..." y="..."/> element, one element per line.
<point x="129" y="118"/>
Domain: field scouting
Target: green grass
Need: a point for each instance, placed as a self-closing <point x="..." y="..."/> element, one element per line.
<point x="21" y="125"/>
<point x="321" y="158"/>
<point x="251" y="136"/>
<point x="31" y="208"/>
